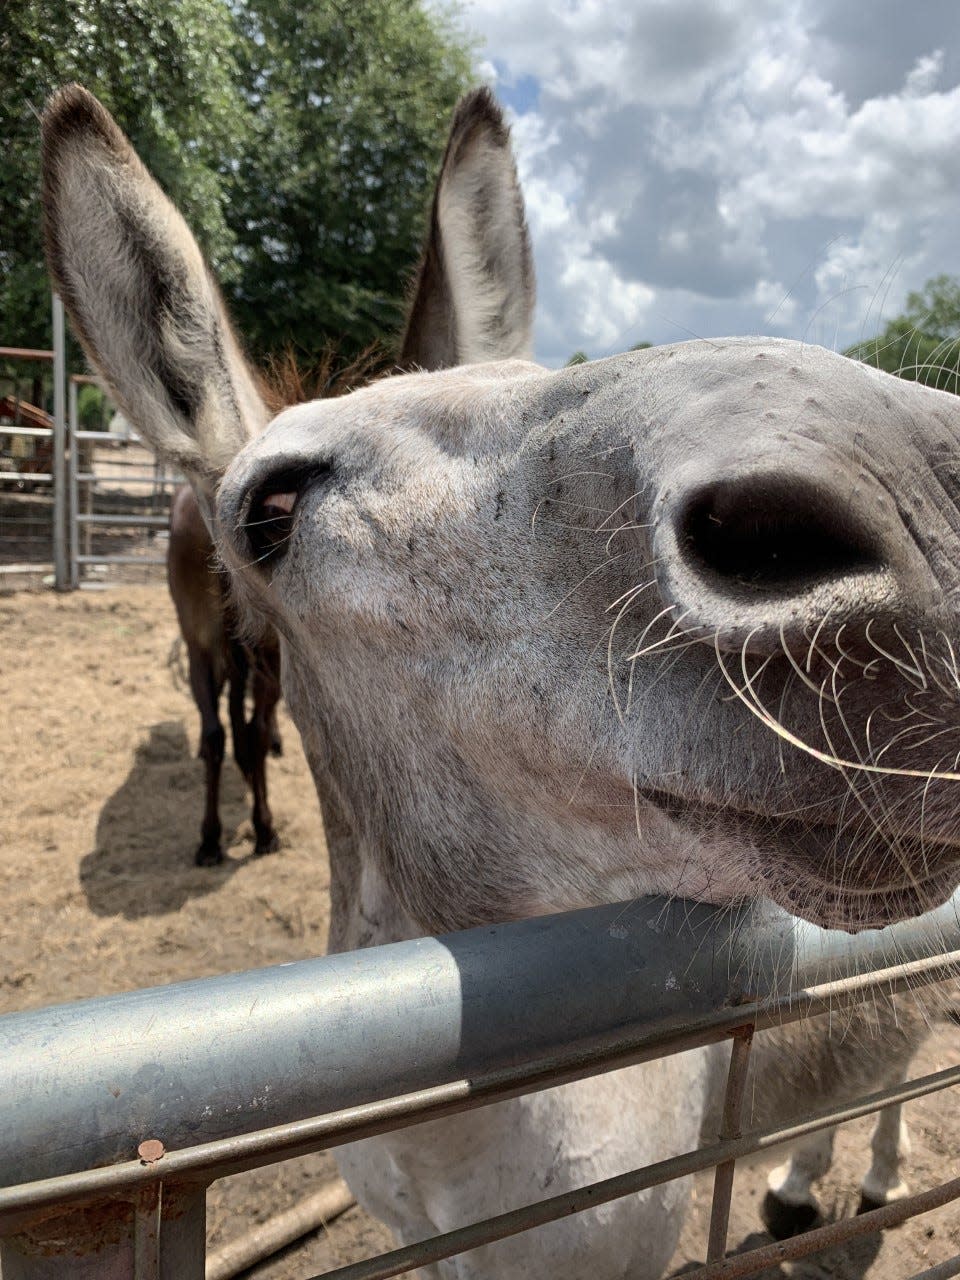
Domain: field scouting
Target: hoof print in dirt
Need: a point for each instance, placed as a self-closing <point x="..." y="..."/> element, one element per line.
<point x="784" y="1220"/>
<point x="208" y="856"/>
<point x="276" y="747"/>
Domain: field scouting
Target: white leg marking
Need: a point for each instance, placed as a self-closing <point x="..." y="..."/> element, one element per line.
<point x="891" y="1147"/>
<point x="792" y="1182"/>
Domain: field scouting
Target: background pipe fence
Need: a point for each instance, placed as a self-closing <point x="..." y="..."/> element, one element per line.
<point x="79" y="506"/>
<point x="116" y="1114"/>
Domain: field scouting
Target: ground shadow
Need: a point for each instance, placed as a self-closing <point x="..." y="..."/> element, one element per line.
<point x="149" y="829"/>
<point x="850" y="1261"/>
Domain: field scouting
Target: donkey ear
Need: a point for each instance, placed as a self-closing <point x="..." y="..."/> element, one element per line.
<point x="475" y="290"/>
<point x="139" y="295"/>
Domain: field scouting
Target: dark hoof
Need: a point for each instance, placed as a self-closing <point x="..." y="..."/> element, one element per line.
<point x="276" y="746"/>
<point x="267" y="844"/>
<point x="784" y="1220"/>
<point x="209" y="856"/>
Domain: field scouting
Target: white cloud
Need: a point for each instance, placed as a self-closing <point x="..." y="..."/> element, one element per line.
<point x="710" y="166"/>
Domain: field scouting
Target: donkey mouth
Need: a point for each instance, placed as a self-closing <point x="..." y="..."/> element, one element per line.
<point x="852" y="911"/>
<point x="268" y="513"/>
<point x="835" y="875"/>
<point x="854" y="882"/>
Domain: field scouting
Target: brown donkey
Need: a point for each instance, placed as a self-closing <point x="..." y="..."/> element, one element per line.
<point x="217" y="657"/>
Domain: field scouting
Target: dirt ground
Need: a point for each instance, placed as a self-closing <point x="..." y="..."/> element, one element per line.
<point x="102" y="796"/>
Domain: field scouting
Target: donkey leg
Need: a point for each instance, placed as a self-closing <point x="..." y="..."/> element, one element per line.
<point x="790" y="1206"/>
<point x="891" y="1148"/>
<point x="242" y="745"/>
<point x="276" y="742"/>
<point x="206" y="694"/>
<point x="266" y="695"/>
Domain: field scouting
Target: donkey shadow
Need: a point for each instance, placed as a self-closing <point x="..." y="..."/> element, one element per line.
<point x="148" y="831"/>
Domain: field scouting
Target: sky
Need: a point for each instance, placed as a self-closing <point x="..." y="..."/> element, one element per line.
<point x="715" y="167"/>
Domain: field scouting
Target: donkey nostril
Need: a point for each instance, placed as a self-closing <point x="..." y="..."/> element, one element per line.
<point x="772" y="535"/>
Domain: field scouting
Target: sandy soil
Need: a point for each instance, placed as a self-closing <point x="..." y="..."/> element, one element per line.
<point x="102" y="800"/>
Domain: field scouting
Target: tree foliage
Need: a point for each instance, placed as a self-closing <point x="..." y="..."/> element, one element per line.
<point x="167" y="71"/>
<point x="352" y="101"/>
<point x="299" y="138"/>
<point x="922" y="344"/>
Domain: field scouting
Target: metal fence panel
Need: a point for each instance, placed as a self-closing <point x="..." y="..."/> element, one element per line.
<point x="227" y="1073"/>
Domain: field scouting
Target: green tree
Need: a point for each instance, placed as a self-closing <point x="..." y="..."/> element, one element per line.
<point x="351" y="101"/>
<point x="93" y="408"/>
<point x="300" y="138"/>
<point x="922" y="344"/>
<point x="167" y="69"/>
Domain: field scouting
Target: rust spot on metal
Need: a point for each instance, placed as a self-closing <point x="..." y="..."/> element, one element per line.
<point x="77" y="1233"/>
<point x="150" y="1150"/>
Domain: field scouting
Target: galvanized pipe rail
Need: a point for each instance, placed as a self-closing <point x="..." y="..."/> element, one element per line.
<point x="229" y="1073"/>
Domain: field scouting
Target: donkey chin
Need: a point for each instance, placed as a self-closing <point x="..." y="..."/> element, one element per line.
<point x="839" y="881"/>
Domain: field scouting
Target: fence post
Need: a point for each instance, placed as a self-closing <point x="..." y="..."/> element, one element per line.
<point x="61" y="579"/>
<point x="73" y="467"/>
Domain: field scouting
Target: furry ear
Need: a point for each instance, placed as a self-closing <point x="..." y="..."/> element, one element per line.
<point x="139" y="295"/>
<point x="475" y="291"/>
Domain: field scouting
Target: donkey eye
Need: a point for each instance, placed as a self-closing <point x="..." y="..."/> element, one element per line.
<point x="272" y="509"/>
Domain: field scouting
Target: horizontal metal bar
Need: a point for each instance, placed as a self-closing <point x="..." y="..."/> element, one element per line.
<point x="24" y="353"/>
<point x="118" y="559"/>
<point x="398" y="1261"/>
<point x="32" y="477"/>
<point x="834" y="1233"/>
<point x="152" y="522"/>
<point x="107" y="437"/>
<point x="327" y="1009"/>
<point x="437" y="1008"/>
<point x="219" y="1159"/>
<point x="27" y="568"/>
<point x="161" y="481"/>
<point x="945" y="1270"/>
<point x="38" y="432"/>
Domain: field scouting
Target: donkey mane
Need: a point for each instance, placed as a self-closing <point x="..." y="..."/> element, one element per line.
<point x="284" y="380"/>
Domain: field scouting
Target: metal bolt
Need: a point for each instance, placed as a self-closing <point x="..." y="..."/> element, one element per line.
<point x="150" y="1150"/>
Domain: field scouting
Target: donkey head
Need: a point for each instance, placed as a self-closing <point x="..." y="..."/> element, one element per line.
<point x="683" y="620"/>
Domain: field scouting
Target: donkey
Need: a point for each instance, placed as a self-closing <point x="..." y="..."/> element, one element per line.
<point x="676" y="622"/>
<point x="217" y="655"/>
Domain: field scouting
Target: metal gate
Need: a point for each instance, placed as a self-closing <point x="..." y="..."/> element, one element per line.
<point x="76" y="505"/>
<point x="119" y="499"/>
<point x="116" y="1114"/>
<point x="28" y="459"/>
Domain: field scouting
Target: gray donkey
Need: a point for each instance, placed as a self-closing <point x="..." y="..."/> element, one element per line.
<point x="681" y="621"/>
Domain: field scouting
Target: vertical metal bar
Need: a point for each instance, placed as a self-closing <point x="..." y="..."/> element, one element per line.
<point x="73" y="465"/>
<point x="146" y="1233"/>
<point x="183" y="1232"/>
<point x="60" y="574"/>
<point x="729" y="1128"/>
